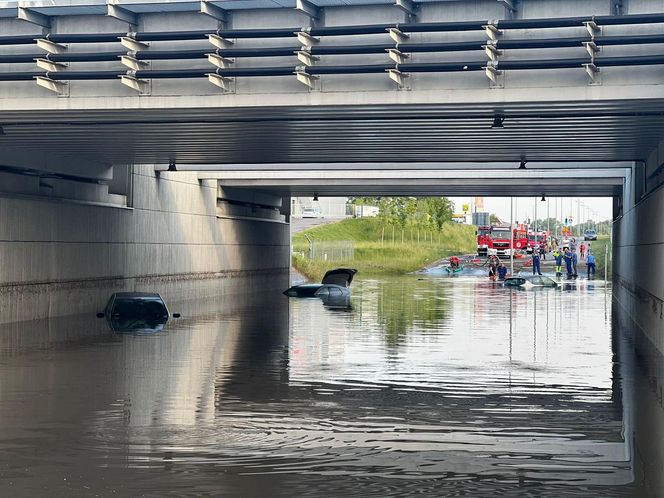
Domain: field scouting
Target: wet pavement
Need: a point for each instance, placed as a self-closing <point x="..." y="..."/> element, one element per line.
<point x="424" y="386"/>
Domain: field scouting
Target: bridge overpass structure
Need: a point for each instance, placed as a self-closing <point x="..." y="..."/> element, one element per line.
<point x="155" y="144"/>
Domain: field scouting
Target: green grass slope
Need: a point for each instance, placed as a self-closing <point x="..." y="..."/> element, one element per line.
<point x="378" y="248"/>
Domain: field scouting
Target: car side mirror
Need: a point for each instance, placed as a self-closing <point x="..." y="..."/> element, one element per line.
<point x="100" y="315"/>
<point x="176" y="315"/>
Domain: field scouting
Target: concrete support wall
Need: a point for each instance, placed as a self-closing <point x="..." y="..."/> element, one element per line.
<point x="638" y="251"/>
<point x="61" y="257"/>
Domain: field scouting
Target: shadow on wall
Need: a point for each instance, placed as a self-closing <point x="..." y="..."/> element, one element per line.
<point x="62" y="258"/>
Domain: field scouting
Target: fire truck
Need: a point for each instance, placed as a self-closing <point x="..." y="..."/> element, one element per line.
<point x="483" y="240"/>
<point x="536" y="240"/>
<point x="521" y="238"/>
<point x="501" y="245"/>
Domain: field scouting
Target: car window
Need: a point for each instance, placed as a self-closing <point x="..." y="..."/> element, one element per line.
<point x="536" y="280"/>
<point x="136" y="314"/>
<point x="515" y="281"/>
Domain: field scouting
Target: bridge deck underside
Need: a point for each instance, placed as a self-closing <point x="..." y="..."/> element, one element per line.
<point x="558" y="132"/>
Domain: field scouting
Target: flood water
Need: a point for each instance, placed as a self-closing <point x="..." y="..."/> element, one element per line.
<point x="426" y="387"/>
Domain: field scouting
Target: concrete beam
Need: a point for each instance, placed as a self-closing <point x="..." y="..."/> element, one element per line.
<point x="308" y="8"/>
<point x="408" y="6"/>
<point x="515" y="175"/>
<point x="215" y="170"/>
<point x="34" y="17"/>
<point x="114" y="10"/>
<point x="508" y="4"/>
<point x="214" y="11"/>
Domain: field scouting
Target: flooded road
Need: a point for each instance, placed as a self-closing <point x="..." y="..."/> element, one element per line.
<point x="423" y="387"/>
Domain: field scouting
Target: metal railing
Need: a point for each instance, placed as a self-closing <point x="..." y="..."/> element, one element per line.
<point x="221" y="54"/>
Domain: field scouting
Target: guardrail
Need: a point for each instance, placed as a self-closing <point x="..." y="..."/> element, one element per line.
<point x="221" y="55"/>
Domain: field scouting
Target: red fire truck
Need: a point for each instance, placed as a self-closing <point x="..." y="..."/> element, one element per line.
<point x="483" y="240"/>
<point x="502" y="244"/>
<point x="536" y="240"/>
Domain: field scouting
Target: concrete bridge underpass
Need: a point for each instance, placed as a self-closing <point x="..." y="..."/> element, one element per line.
<point x="155" y="145"/>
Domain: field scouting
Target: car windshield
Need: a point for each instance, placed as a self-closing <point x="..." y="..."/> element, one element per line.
<point x="138" y="314"/>
<point x="500" y="234"/>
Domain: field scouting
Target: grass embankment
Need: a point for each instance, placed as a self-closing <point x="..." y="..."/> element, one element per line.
<point x="378" y="248"/>
<point x="598" y="248"/>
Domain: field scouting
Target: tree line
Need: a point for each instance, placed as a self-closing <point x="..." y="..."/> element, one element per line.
<point x="427" y="213"/>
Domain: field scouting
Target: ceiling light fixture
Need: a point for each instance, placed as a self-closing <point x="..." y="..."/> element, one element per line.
<point x="522" y="164"/>
<point x="543" y="199"/>
<point x="315" y="196"/>
<point x="498" y="121"/>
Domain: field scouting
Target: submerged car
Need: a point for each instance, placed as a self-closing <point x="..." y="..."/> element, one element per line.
<point x="138" y="312"/>
<point x="336" y="299"/>
<point x="530" y="281"/>
<point x="335" y="283"/>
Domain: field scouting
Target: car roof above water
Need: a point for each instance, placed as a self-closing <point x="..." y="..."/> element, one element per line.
<point x="136" y="295"/>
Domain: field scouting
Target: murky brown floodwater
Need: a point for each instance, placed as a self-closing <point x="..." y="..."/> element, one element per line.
<point x="427" y="387"/>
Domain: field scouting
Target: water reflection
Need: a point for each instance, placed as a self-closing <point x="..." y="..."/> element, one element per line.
<point x="428" y="387"/>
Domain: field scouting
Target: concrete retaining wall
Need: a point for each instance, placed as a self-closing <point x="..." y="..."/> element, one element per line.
<point x="638" y="251"/>
<point x="60" y="257"/>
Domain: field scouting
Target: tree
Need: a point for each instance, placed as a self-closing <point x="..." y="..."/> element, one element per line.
<point x="494" y="220"/>
<point x="428" y="213"/>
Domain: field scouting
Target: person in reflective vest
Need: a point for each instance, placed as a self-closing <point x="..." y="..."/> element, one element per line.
<point x="559" y="262"/>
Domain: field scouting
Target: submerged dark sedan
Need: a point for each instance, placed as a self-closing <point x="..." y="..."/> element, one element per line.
<point x="137" y="312"/>
<point x="335" y="282"/>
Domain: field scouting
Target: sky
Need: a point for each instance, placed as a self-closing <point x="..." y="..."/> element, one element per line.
<point x="525" y="207"/>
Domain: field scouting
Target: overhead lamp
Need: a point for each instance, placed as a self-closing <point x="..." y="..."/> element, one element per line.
<point x="498" y="121"/>
<point x="171" y="166"/>
<point x="543" y="199"/>
<point x="522" y="164"/>
<point x="315" y="196"/>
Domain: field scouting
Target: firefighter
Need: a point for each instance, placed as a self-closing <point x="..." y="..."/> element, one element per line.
<point x="536" y="263"/>
<point x="502" y="271"/>
<point x="454" y="262"/>
<point x="567" y="255"/>
<point x="559" y="262"/>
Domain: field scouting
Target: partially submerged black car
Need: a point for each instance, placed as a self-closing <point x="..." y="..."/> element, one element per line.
<point x="335" y="282"/>
<point x="137" y="312"/>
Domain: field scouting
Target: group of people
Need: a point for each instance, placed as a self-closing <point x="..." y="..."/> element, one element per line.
<point x="571" y="260"/>
<point x="568" y="256"/>
<point x="497" y="270"/>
